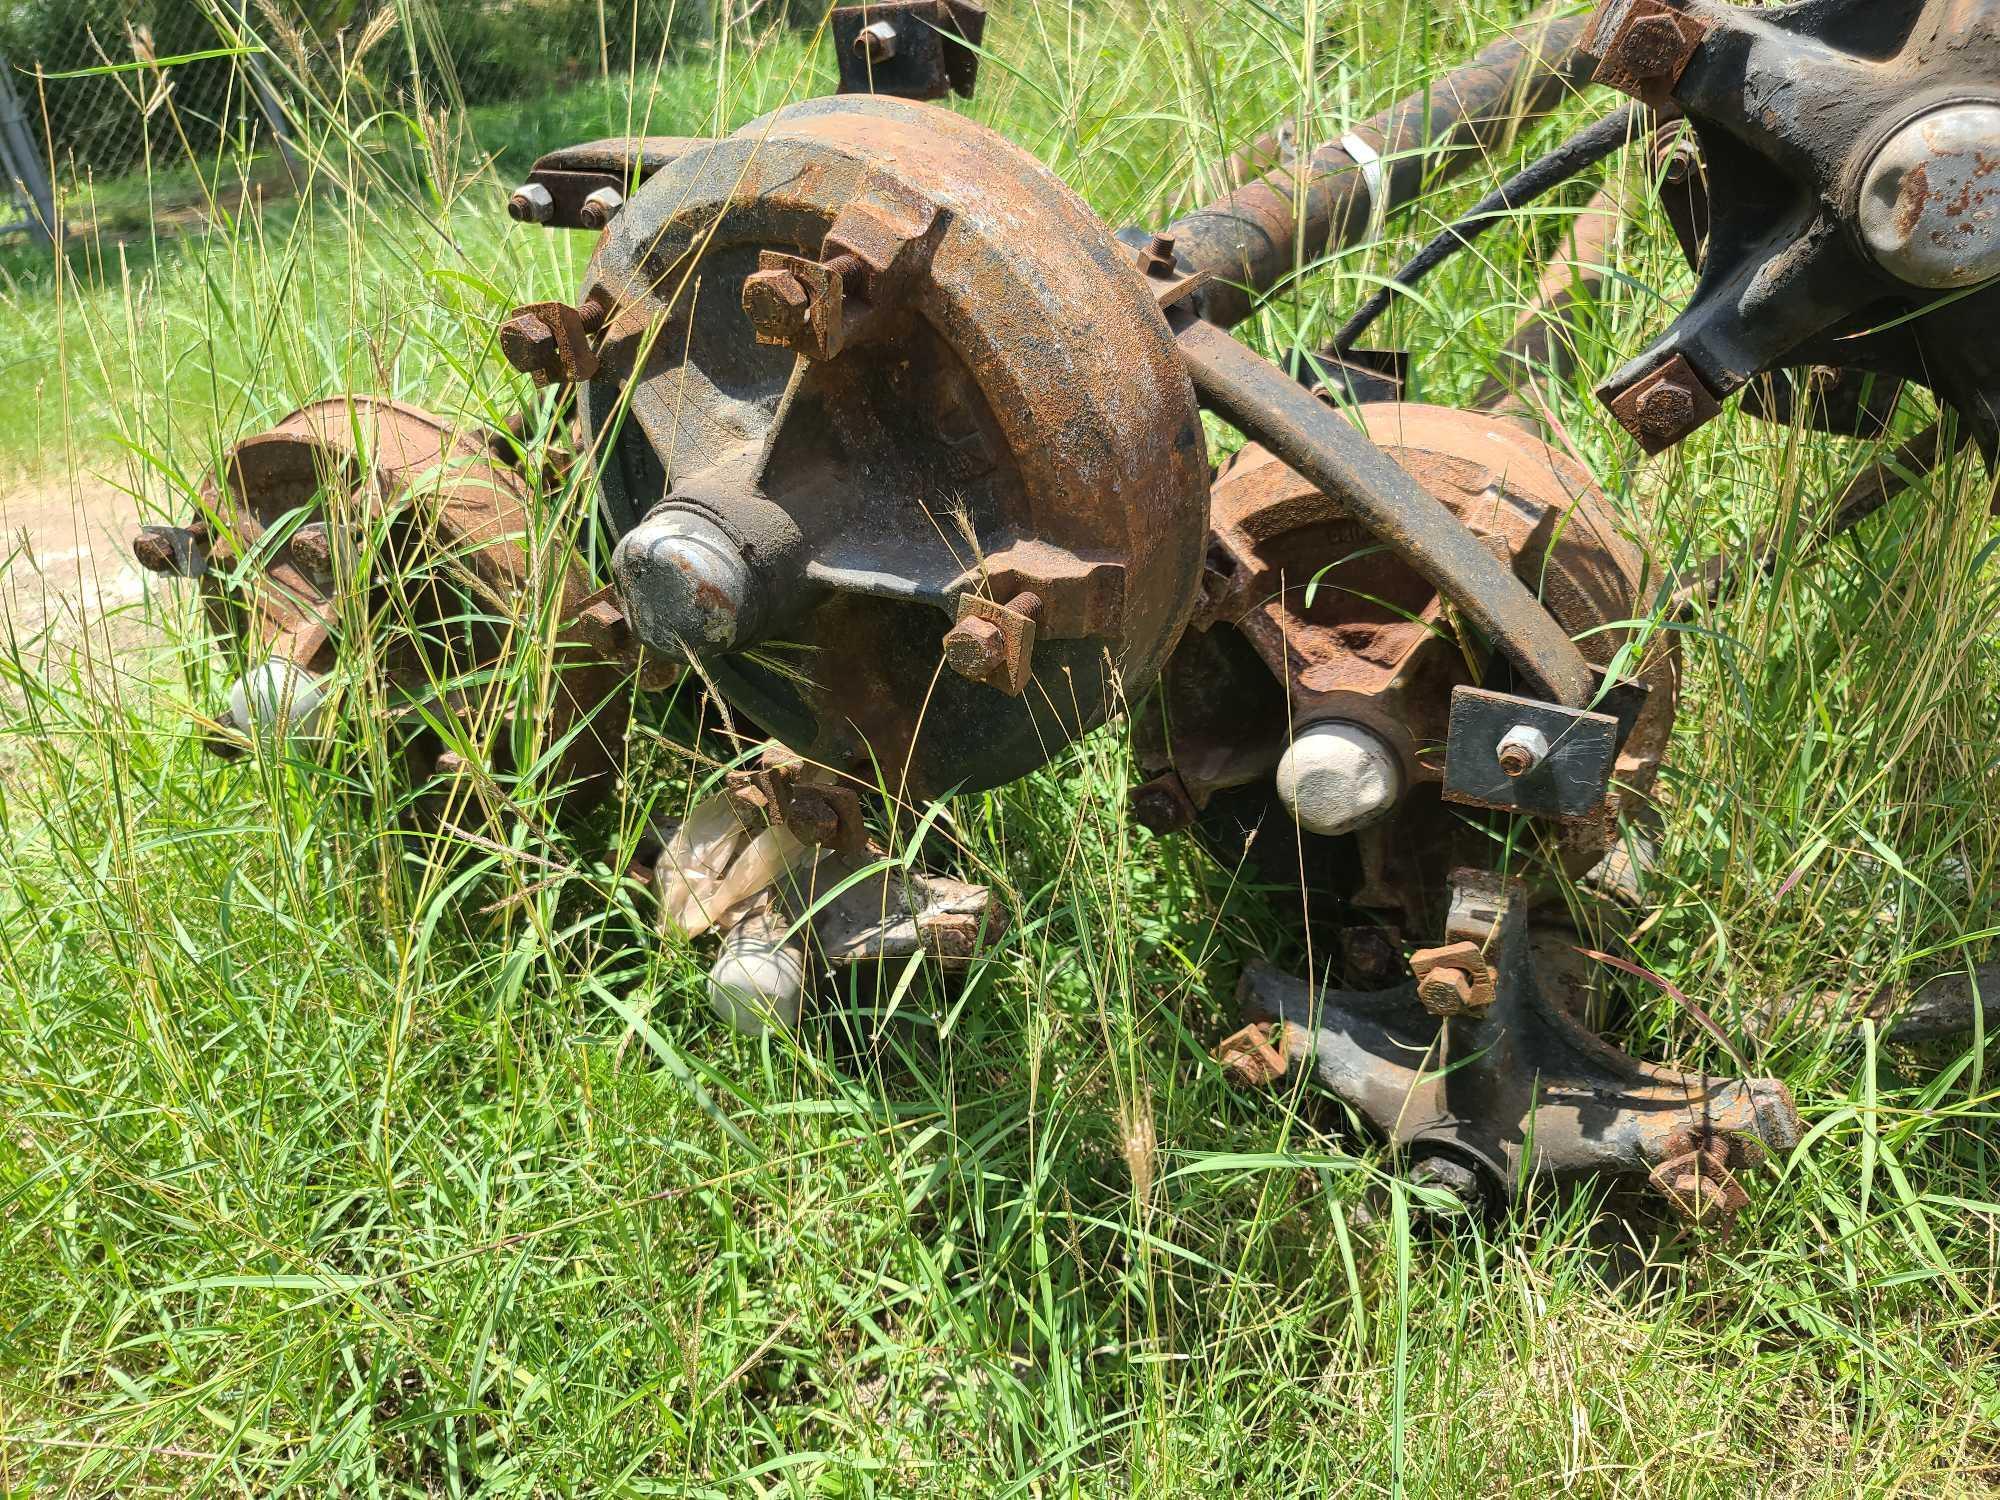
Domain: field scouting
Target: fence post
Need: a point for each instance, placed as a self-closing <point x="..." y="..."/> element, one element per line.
<point x="23" y="162"/>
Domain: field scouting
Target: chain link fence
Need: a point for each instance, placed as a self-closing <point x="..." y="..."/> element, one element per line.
<point x="117" y="96"/>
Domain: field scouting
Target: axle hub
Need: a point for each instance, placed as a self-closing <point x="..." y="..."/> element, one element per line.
<point x="897" y="442"/>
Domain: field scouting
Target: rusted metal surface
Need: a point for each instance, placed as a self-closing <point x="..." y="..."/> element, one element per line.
<point x="1272" y="409"/>
<point x="1643" y="46"/>
<point x="1664" y="405"/>
<point x="908" y="49"/>
<point x="1252" y="238"/>
<point x="1454" y="980"/>
<point x="362" y="508"/>
<point x="1307" y="619"/>
<point x="562" y="184"/>
<point x="1518" y="1092"/>
<point x="1002" y="413"/>
<point x="1254" y="1058"/>
<point x="1821" y="127"/>
<point x="553" y="341"/>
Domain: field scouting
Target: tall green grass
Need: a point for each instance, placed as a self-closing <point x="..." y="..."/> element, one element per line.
<point x="336" y="1158"/>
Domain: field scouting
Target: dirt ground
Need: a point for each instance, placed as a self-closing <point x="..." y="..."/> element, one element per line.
<point x="67" y="578"/>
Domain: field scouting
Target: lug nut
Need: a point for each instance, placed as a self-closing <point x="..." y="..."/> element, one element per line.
<point x="1521" y="749"/>
<point x="876" y="42"/>
<point x="974" y="648"/>
<point x="599" y="207"/>
<point x="531" y="204"/>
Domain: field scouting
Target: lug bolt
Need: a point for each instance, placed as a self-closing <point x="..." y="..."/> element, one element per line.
<point x="974" y="649"/>
<point x="1521" y="749"/>
<point x="599" y="207"/>
<point x="531" y="204"/>
<point x="876" y="42"/>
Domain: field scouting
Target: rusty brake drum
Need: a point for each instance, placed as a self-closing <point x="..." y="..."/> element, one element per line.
<point x="1307" y="621"/>
<point x="430" y="525"/>
<point x="897" y="442"/>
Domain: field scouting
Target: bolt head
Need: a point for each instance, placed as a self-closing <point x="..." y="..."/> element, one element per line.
<point x="975" y="649"/>
<point x="1446" y="992"/>
<point x="528" y="344"/>
<point x="312" y="550"/>
<point x="812" y="816"/>
<point x="1161" y="806"/>
<point x="777" y="304"/>
<point x="1651" y="47"/>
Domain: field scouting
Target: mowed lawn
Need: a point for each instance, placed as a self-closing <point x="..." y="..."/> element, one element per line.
<point x="341" y="1158"/>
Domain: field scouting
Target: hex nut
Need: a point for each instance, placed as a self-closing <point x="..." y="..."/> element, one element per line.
<point x="531" y="204"/>
<point x="599" y="207"/>
<point x="876" y="42"/>
<point x="528" y="344"/>
<point x="1521" y="749"/>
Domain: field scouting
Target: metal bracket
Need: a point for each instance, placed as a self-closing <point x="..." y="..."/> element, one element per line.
<point x="1521" y="755"/>
<point x="1519" y="1090"/>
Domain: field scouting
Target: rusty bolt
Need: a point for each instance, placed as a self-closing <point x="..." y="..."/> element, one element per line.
<point x="312" y="550"/>
<point x="1254" y="1057"/>
<point x="1698" y="1184"/>
<point x="1521" y="749"/>
<point x="876" y="42"/>
<point x="812" y="816"/>
<point x="174" y="550"/>
<point x="1664" y="405"/>
<point x="1453" y="980"/>
<point x="531" y="204"/>
<point x="529" y="344"/>
<point x="974" y="649"/>
<point x="599" y="207"/>
<point x="1157" y="259"/>
<point x="1666" y="409"/>
<point x="1162" y="805"/>
<point x="777" y="304"/>
<point x="1651" y="47"/>
<point x="1446" y="992"/>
